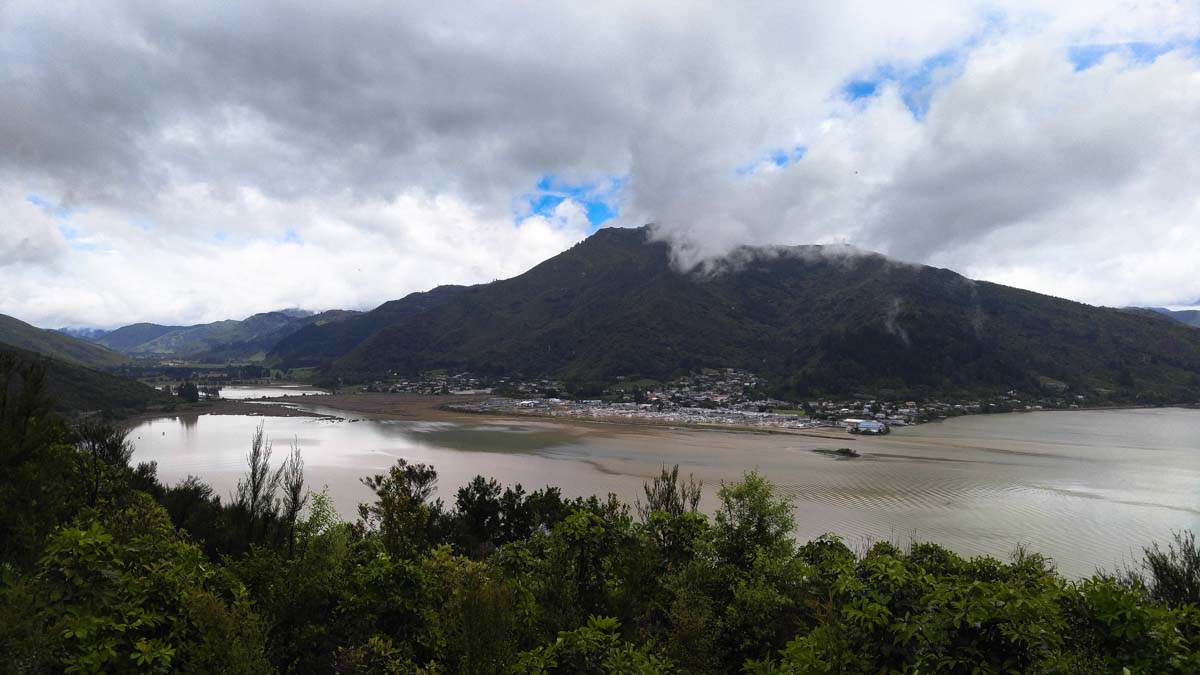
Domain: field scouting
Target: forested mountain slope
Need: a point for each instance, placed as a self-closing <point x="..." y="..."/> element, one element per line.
<point x="809" y="319"/>
<point x="17" y="333"/>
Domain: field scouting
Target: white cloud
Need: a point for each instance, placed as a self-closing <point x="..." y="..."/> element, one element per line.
<point x="32" y="237"/>
<point x="1023" y="171"/>
<point x="344" y="254"/>
<point x="219" y="161"/>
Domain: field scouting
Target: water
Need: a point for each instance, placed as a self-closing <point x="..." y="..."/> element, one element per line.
<point x="1087" y="488"/>
<point x="241" y="392"/>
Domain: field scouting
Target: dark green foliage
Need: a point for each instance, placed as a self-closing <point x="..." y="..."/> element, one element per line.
<point x="402" y="515"/>
<point x="129" y="596"/>
<point x="594" y="649"/>
<point x="103" y="455"/>
<point x="74" y="389"/>
<point x="811" y="321"/>
<point x="38" y="466"/>
<point x="751" y="520"/>
<point x="104" y="569"/>
<point x="188" y="391"/>
<point x="478" y="523"/>
<point x="1171" y="576"/>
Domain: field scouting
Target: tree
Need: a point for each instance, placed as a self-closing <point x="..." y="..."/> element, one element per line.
<point x="597" y="649"/>
<point x="105" y="453"/>
<point x="24" y="410"/>
<point x="127" y="595"/>
<point x="477" y="517"/>
<point x="402" y="513"/>
<point x="1171" y="576"/>
<point x="751" y="517"/>
<point x="294" y="494"/>
<point x="256" y="490"/>
<point x="667" y="493"/>
<point x="188" y="391"/>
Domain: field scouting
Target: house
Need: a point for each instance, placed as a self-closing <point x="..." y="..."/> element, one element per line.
<point x="861" y="426"/>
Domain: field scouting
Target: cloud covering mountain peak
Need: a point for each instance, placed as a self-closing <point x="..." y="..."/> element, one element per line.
<point x="180" y="163"/>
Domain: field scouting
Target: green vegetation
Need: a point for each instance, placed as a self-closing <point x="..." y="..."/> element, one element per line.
<point x="811" y="324"/>
<point x="16" y="333"/>
<point x="75" y="389"/>
<point x="103" y="569"/>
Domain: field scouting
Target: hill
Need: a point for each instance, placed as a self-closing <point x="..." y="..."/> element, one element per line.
<point x="318" y="345"/>
<point x="17" y="333"/>
<point x="1190" y="317"/>
<point x="220" y="341"/>
<point x="128" y="338"/>
<point x="809" y="320"/>
<point x="76" y="389"/>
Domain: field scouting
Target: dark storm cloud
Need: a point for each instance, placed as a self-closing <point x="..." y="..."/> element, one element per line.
<point x="401" y="142"/>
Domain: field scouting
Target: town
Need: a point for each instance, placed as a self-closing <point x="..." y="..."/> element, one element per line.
<point x="725" y="397"/>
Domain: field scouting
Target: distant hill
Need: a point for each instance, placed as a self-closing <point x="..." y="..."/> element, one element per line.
<point x="76" y="389"/>
<point x="17" y="333"/>
<point x="1190" y="317"/>
<point x="319" y="344"/>
<point x="809" y="320"/>
<point x="220" y="341"/>
<point x="128" y="338"/>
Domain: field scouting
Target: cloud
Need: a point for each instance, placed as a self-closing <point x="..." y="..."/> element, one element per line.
<point x="214" y="161"/>
<point x="33" y="236"/>
<point x="1022" y="170"/>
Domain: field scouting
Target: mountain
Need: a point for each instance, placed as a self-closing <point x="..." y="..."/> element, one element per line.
<point x="808" y="319"/>
<point x="1190" y="317"/>
<point x="220" y="341"/>
<point x="259" y="333"/>
<point x="85" y="334"/>
<point x="127" y="339"/>
<point x="319" y="344"/>
<point x="17" y="333"/>
<point x="76" y="389"/>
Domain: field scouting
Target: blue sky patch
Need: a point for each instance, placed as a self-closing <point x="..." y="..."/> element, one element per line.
<point x="779" y="157"/>
<point x="599" y="199"/>
<point x="915" y="84"/>
<point x="1086" y="56"/>
<point x="856" y="89"/>
<point x="76" y="238"/>
<point x="59" y="212"/>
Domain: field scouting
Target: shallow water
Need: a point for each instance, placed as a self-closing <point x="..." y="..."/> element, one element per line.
<point x="1087" y="488"/>
<point x="244" y="391"/>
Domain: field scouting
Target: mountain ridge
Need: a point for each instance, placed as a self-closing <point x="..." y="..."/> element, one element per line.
<point x="809" y="319"/>
<point x="224" y="340"/>
<point x="17" y="333"/>
<point x="1189" y="317"/>
<point x="76" y="389"/>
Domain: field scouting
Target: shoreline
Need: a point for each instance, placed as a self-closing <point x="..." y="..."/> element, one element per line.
<point x="221" y="407"/>
<point x="401" y="406"/>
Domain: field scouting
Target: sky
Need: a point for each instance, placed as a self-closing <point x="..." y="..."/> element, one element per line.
<point x="183" y="162"/>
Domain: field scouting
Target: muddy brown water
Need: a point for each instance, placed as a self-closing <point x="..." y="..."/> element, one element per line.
<point x="1088" y="488"/>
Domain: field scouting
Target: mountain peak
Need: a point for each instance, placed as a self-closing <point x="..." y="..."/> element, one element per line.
<point x="807" y="319"/>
